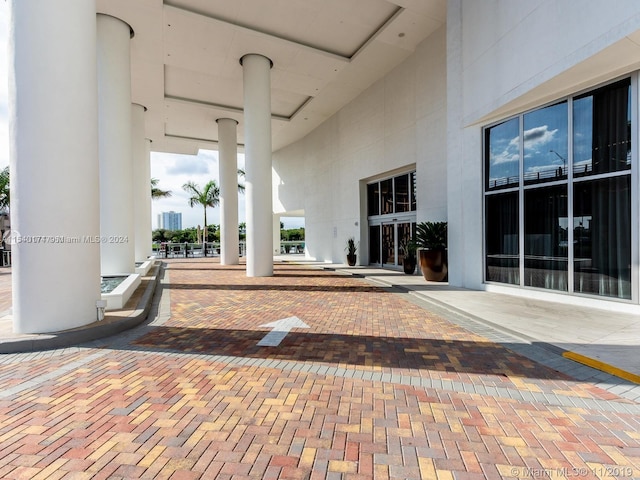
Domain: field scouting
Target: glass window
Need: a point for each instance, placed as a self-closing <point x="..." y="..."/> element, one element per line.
<point x="545" y="141"/>
<point x="413" y="191"/>
<point x="373" y="199"/>
<point x="602" y="130"/>
<point x="502" y="156"/>
<point x="602" y="237"/>
<point x="546" y="238"/>
<point x="386" y="194"/>
<point x="502" y="238"/>
<point x="402" y="193"/>
<point x="388" y="244"/>
<point x="374" y="244"/>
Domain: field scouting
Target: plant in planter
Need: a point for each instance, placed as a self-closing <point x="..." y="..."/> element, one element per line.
<point x="408" y="249"/>
<point x="351" y="251"/>
<point x="431" y="239"/>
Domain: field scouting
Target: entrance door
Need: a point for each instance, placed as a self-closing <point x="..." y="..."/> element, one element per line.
<point x="389" y="246"/>
<point x="386" y="240"/>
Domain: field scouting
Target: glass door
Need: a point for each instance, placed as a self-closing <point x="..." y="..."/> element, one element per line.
<point x="389" y="246"/>
<point x="386" y="240"/>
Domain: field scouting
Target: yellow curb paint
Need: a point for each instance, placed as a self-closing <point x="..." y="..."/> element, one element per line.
<point x="605" y="367"/>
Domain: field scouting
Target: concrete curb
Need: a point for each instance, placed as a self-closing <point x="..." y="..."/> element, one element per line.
<point x="87" y="333"/>
<point x="602" y="366"/>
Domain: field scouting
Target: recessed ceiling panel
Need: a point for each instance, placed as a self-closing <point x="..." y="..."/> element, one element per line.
<point x="338" y="26"/>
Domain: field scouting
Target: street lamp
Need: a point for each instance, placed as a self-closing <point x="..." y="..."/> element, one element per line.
<point x="564" y="161"/>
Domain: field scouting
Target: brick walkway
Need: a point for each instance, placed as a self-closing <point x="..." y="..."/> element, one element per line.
<point x="377" y="387"/>
<point x="5" y="289"/>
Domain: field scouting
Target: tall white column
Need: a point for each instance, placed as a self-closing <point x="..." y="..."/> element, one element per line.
<point x="257" y="141"/>
<point x="54" y="164"/>
<point x="141" y="185"/>
<point x="228" y="171"/>
<point x="117" y="248"/>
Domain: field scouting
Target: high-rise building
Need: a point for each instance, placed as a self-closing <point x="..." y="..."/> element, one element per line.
<point x="170" y="220"/>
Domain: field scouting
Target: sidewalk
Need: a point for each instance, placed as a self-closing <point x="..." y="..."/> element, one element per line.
<point x="371" y="381"/>
<point x="605" y="340"/>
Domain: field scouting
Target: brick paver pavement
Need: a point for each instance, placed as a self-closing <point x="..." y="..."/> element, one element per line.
<point x="377" y="387"/>
<point x="5" y="290"/>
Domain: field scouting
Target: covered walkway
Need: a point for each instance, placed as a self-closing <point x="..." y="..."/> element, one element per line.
<point x="372" y="380"/>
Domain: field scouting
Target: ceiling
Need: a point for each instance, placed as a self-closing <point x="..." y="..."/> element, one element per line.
<point x="185" y="59"/>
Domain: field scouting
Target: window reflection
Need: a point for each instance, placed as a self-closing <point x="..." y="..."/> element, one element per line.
<point x="502" y="238"/>
<point x="545" y="141"/>
<point x="602" y="237"/>
<point x="373" y="199"/>
<point x="386" y="195"/>
<point x="600" y="142"/>
<point x="413" y="191"/>
<point x="402" y="193"/>
<point x="502" y="143"/>
<point x="602" y="130"/>
<point x="546" y="238"/>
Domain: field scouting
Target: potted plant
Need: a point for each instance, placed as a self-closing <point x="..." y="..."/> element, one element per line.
<point x="431" y="238"/>
<point x="351" y="251"/>
<point x="408" y="249"/>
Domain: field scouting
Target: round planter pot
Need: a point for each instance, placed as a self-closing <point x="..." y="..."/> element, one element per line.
<point x="409" y="266"/>
<point x="433" y="264"/>
<point x="351" y="260"/>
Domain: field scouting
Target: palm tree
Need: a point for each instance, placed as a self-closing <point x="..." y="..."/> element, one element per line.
<point x="4" y="188"/>
<point x="157" y="192"/>
<point x="209" y="196"/>
<point x="241" y="173"/>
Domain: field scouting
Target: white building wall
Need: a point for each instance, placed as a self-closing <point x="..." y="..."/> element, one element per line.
<point x="396" y="124"/>
<point x="505" y="57"/>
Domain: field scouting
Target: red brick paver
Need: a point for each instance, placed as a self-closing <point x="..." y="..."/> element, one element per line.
<point x="183" y="401"/>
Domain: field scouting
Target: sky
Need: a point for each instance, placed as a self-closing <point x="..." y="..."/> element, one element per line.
<point x="171" y="170"/>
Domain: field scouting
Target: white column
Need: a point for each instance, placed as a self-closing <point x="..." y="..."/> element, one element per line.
<point x="257" y="141"/>
<point x="117" y="248"/>
<point x="228" y="171"/>
<point x="141" y="185"/>
<point x="54" y="164"/>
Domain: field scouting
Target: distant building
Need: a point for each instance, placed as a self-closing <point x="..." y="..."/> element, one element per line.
<point x="170" y="220"/>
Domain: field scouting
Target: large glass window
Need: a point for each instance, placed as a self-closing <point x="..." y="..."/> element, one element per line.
<point x="602" y="228"/>
<point x="386" y="195"/>
<point x="403" y="196"/>
<point x="546" y="238"/>
<point x="578" y="216"/>
<point x="503" y="238"/>
<point x="502" y="155"/>
<point x="373" y="199"/>
<point x="546" y="144"/>
<point x="602" y="130"/>
<point x="391" y="209"/>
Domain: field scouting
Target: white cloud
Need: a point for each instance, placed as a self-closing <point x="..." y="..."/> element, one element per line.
<point x="538" y="137"/>
<point x="188" y="165"/>
<point x="511" y="153"/>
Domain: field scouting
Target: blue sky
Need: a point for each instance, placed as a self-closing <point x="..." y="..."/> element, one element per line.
<point x="171" y="170"/>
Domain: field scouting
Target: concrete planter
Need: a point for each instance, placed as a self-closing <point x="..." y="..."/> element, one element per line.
<point x="117" y="298"/>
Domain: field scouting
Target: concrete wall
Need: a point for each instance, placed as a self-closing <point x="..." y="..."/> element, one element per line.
<point x="396" y="124"/>
<point x="504" y="57"/>
<point x="495" y="58"/>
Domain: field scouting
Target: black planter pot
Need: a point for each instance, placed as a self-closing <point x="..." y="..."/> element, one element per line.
<point x="351" y="259"/>
<point x="409" y="265"/>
